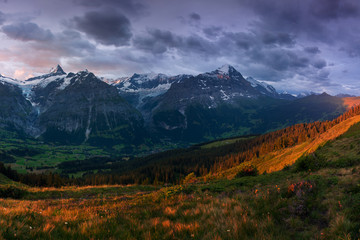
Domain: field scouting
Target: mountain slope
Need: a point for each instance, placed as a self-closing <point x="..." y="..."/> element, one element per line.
<point x="222" y="103"/>
<point x="139" y="88"/>
<point x="304" y="110"/>
<point x="90" y="110"/>
<point x="277" y="160"/>
<point x="16" y="112"/>
<point x="268" y="152"/>
<point x="69" y="108"/>
<point x="211" y="105"/>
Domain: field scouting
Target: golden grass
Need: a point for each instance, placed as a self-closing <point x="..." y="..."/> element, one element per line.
<point x="277" y="160"/>
<point x="182" y="215"/>
<point x="75" y="188"/>
<point x="196" y="215"/>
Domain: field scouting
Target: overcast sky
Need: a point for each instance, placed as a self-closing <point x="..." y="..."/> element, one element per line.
<point x="295" y="45"/>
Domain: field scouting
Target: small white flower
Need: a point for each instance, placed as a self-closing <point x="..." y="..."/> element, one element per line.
<point x="66" y="223"/>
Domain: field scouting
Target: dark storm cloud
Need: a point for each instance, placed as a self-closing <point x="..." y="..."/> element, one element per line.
<point x="27" y="32"/>
<point x="252" y="47"/>
<point x="280" y="59"/>
<point x="312" y="50"/>
<point x="158" y="42"/>
<point x="106" y="27"/>
<point x="319" y="64"/>
<point x="195" y="17"/>
<point x="352" y="49"/>
<point x="2" y="18"/>
<point x="285" y="16"/>
<point x="213" y="31"/>
<point x="244" y="41"/>
<point x="74" y="45"/>
<point x="282" y="39"/>
<point x="333" y="9"/>
<point x="304" y="18"/>
<point x="128" y="6"/>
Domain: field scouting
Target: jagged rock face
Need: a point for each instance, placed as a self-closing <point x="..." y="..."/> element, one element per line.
<point x="140" y="88"/>
<point x="78" y="108"/>
<point x="88" y="110"/>
<point x="195" y="106"/>
<point x="16" y="111"/>
<point x="69" y="108"/>
<point x="142" y="81"/>
<point x="263" y="88"/>
<point x="224" y="85"/>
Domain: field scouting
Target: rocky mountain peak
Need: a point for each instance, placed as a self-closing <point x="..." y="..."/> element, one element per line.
<point x="227" y="69"/>
<point x="57" y="70"/>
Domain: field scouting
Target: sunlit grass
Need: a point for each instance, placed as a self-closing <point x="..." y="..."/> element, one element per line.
<point x="295" y="203"/>
<point x="262" y="207"/>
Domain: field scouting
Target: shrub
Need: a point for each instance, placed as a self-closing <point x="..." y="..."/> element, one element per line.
<point x="12" y="192"/>
<point x="309" y="162"/>
<point x="344" y="162"/>
<point x="190" y="178"/>
<point x="247" y="169"/>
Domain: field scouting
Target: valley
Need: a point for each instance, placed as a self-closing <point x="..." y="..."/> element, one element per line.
<point x="317" y="197"/>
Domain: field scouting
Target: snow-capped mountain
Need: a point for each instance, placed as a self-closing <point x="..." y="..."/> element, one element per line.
<point x="306" y="94"/>
<point x="141" y="86"/>
<point x="16" y="113"/>
<point x="8" y="80"/>
<point x="140" y="82"/>
<point x="69" y="108"/>
<point x="80" y="107"/>
<point x="215" y="95"/>
<point x="264" y="88"/>
<point x="210" y="89"/>
<point x="87" y="109"/>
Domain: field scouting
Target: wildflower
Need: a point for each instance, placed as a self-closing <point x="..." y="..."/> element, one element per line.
<point x="228" y="230"/>
<point x="66" y="223"/>
<point x="30" y="227"/>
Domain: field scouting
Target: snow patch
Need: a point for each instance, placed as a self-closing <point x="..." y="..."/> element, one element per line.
<point x="224" y="95"/>
<point x="255" y="83"/>
<point x="65" y="83"/>
<point x="10" y="80"/>
<point x="225" y="69"/>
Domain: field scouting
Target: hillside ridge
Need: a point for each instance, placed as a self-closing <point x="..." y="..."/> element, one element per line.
<point x="277" y="160"/>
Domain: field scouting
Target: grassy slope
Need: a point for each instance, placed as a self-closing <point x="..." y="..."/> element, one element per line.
<point x="278" y="160"/>
<point x="291" y="204"/>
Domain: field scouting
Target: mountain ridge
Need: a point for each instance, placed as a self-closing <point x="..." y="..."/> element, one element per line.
<point x="183" y="108"/>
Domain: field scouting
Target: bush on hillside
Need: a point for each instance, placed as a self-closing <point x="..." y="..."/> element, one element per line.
<point x="309" y="163"/>
<point x="12" y="192"/>
<point x="247" y="169"/>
